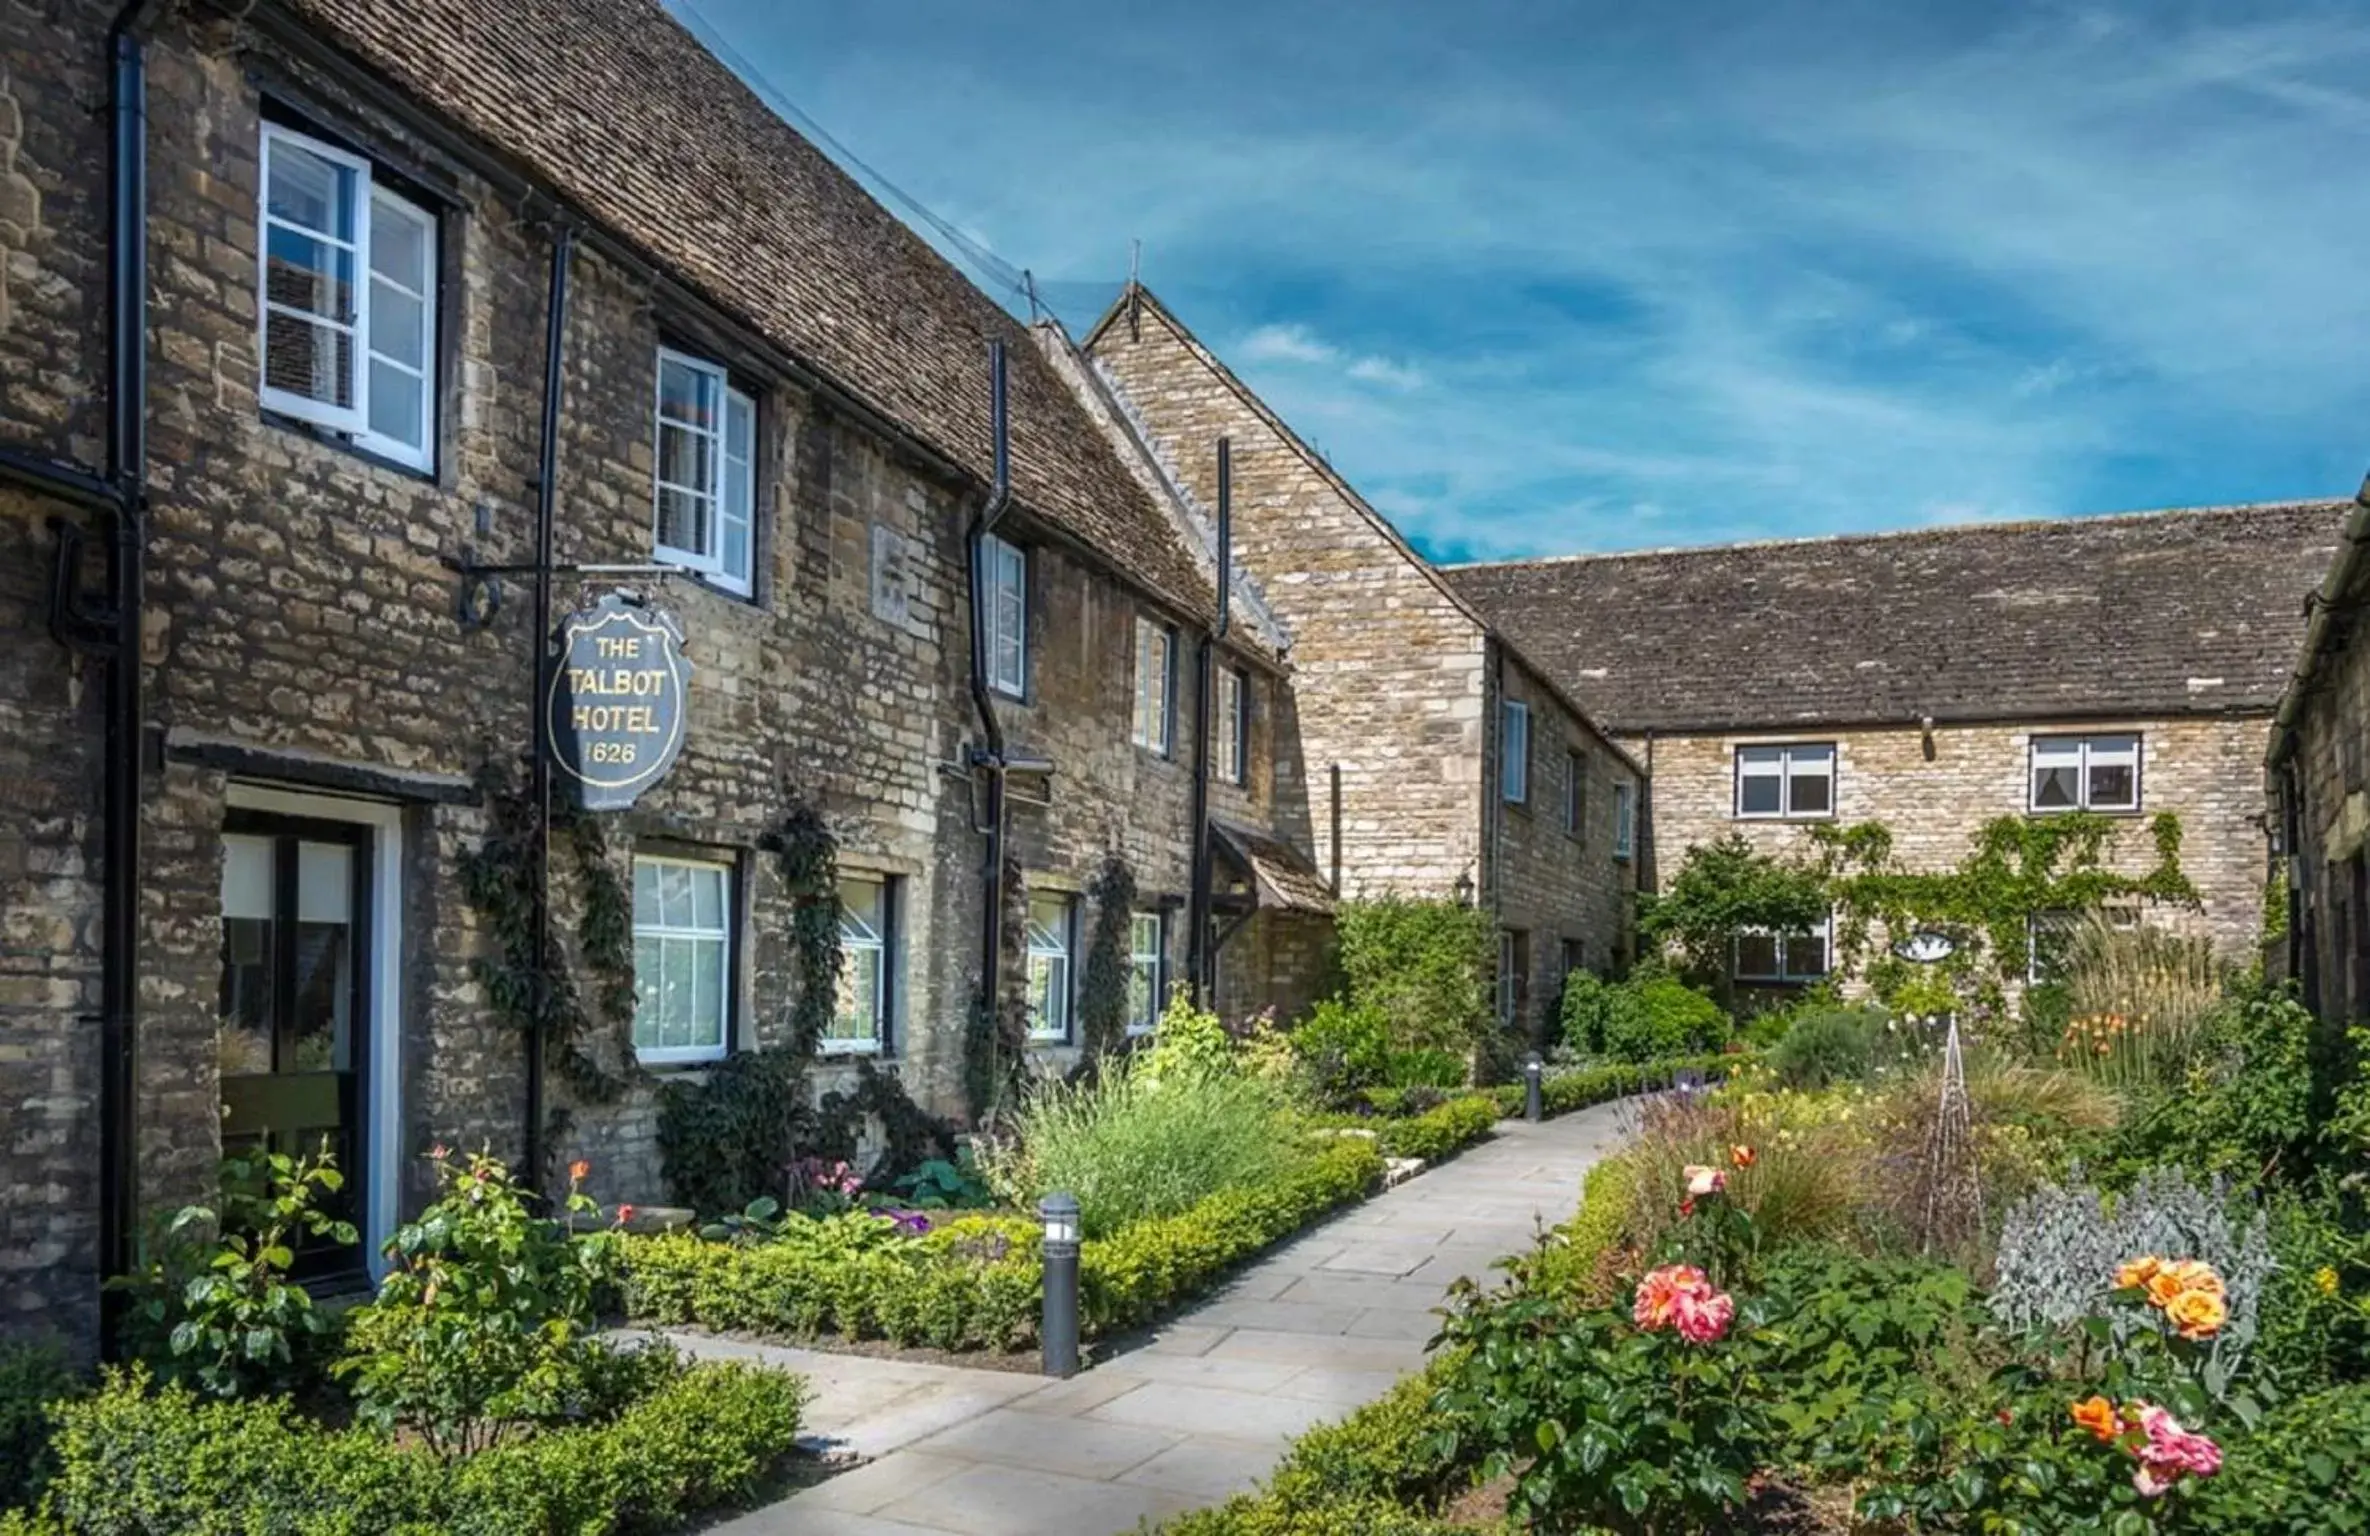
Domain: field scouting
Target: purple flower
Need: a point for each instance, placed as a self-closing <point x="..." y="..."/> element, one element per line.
<point x="909" y="1223"/>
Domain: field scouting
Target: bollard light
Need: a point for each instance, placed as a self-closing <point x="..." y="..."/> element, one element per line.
<point x="1058" y="1333"/>
<point x="1532" y="1070"/>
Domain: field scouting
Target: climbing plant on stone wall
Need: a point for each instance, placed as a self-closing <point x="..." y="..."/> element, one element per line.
<point x="2019" y="868"/>
<point x="1103" y="982"/>
<point x="589" y="1043"/>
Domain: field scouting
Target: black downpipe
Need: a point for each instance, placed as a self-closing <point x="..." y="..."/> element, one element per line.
<point x="2303" y="954"/>
<point x="990" y="757"/>
<point x="127" y="471"/>
<point x="1202" y="953"/>
<point x="547" y="497"/>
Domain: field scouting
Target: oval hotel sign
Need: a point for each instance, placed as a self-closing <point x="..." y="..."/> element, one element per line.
<point x="617" y="712"/>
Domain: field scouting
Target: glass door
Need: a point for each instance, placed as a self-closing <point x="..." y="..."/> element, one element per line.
<point x="294" y="1012"/>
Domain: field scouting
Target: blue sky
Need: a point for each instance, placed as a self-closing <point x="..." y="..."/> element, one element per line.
<point x="1547" y="277"/>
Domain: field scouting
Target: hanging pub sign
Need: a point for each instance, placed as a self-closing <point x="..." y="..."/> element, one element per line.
<point x="618" y="706"/>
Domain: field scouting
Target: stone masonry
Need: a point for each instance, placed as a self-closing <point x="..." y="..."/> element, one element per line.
<point x="303" y="637"/>
<point x="1398" y="680"/>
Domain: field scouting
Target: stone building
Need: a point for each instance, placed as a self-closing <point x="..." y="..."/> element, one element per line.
<point x="257" y="802"/>
<point x="1939" y="679"/>
<point x="2320" y="790"/>
<point x="1437" y="757"/>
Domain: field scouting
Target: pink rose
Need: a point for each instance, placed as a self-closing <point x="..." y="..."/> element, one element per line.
<point x="1703" y="1317"/>
<point x="1703" y="1181"/>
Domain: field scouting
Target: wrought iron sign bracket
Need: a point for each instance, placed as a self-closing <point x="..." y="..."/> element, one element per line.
<point x="480" y="596"/>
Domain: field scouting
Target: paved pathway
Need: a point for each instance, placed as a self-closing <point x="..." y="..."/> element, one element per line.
<point x="1205" y="1406"/>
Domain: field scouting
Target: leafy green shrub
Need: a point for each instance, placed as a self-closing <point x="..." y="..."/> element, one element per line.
<point x="134" y="1461"/>
<point x="1560" y="1093"/>
<point x="2297" y="1474"/>
<point x="214" y="1303"/>
<point x="1189" y="1042"/>
<point x="1828" y="1045"/>
<point x="1720" y="890"/>
<point x="1436" y="1133"/>
<point x="971" y="1282"/>
<point x="1344" y="1048"/>
<point x="1642" y="1019"/>
<point x="1138" y="1143"/>
<point x="2315" y="1318"/>
<point x="1126" y="1278"/>
<point x="485" y="1322"/>
<point x="2243" y="1105"/>
<point x="32" y="1376"/>
<point x="1425" y="965"/>
<point x="1427" y="1068"/>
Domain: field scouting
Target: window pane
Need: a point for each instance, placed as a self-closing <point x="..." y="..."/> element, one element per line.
<point x="1806" y="955"/>
<point x="1757" y="794"/>
<point x="307" y="358"/>
<point x="860" y="916"/>
<point x="1811" y="794"/>
<point x="645" y="990"/>
<point x="687" y="395"/>
<point x="675" y="986"/>
<point x="682" y="521"/>
<point x="2113" y="786"/>
<point x="398" y="327"/>
<point x="645" y="894"/>
<point x="1756" y="954"/>
<point x="398" y="404"/>
<point x="309" y="189"/>
<point x="2056" y="788"/>
<point x="857" y="1016"/>
<point x="707" y="898"/>
<point x="401" y="243"/>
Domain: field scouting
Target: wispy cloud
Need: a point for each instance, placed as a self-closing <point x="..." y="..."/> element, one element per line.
<point x="1590" y="276"/>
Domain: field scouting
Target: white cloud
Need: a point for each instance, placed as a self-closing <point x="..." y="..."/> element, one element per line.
<point x="1285" y="344"/>
<point x="1381" y="370"/>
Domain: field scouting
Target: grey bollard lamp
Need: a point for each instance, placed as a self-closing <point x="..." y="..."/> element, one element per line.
<point x="1532" y="1069"/>
<point x="1058" y="1334"/>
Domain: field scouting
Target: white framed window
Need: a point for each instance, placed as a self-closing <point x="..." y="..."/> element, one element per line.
<point x="2086" y="773"/>
<point x="704" y="495"/>
<point x="1514" y="751"/>
<point x="1791" y="782"/>
<point x="1234" y="726"/>
<point x="347" y="299"/>
<point x="682" y="959"/>
<point x="1007" y="625"/>
<point x="1147" y="965"/>
<point x="1053" y="934"/>
<point x="1576" y="793"/>
<point x="867" y="966"/>
<point x="1514" y="965"/>
<point x="1765" y="955"/>
<point x="1625" y="820"/>
<point x="1156" y="685"/>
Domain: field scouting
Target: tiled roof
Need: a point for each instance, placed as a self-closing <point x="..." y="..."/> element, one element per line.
<point x="1285" y="876"/>
<point x="2163" y="613"/>
<point x="622" y="111"/>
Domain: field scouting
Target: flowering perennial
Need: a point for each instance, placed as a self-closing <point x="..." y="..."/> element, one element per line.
<point x="1681" y="1296"/>
<point x="2164" y="1450"/>
<point x="2187" y="1291"/>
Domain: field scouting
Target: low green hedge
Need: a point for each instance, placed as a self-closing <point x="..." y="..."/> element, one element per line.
<point x="975" y="1283"/>
<point x="32" y="1376"/>
<point x="1560" y="1093"/>
<point x="1373" y="1471"/>
<point x="1127" y="1277"/>
<point x="1437" y="1132"/>
<point x="970" y="1284"/>
<point x="138" y="1461"/>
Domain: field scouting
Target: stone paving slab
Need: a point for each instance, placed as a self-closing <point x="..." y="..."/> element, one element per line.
<point x="1202" y="1406"/>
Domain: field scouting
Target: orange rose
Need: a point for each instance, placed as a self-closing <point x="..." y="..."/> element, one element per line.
<point x="1741" y="1156"/>
<point x="2197" y="1314"/>
<point x="578" y="1169"/>
<point x="2163" y="1286"/>
<point x="2097" y="1415"/>
<point x="2196" y="1275"/>
<point x="2138" y="1272"/>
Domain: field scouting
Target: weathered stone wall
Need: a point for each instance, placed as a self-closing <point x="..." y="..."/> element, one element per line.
<point x="303" y="632"/>
<point x="1393" y="677"/>
<point x="1549" y="882"/>
<point x="2205" y="771"/>
<point x="2331" y="864"/>
<point x="1388" y="670"/>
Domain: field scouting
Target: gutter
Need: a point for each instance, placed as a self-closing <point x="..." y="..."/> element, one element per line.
<point x="109" y="629"/>
<point x="547" y="496"/>
<point x="990" y="758"/>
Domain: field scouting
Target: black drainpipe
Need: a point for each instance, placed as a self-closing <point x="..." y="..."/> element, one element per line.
<point x="547" y="497"/>
<point x="1201" y="954"/>
<point x="109" y="629"/>
<point x="990" y="757"/>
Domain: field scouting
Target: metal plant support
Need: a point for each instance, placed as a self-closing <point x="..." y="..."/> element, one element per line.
<point x="1953" y="1211"/>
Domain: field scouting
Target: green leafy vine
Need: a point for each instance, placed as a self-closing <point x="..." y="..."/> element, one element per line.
<point x="810" y="877"/>
<point x="1103" y="984"/>
<point x="498" y="878"/>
